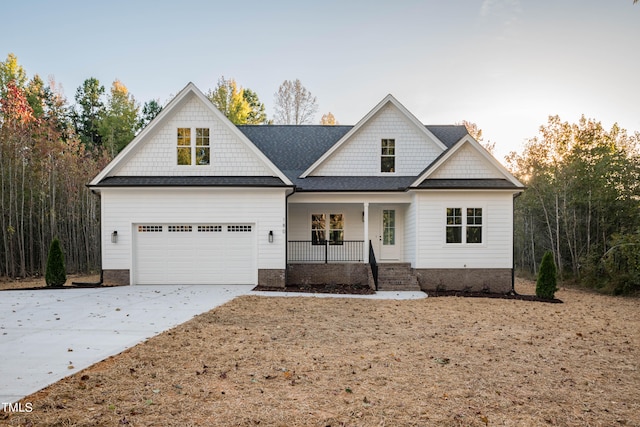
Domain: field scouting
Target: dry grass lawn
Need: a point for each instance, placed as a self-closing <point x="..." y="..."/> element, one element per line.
<point x="448" y="361"/>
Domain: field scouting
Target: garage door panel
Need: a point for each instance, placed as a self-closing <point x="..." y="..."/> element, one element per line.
<point x="195" y="254"/>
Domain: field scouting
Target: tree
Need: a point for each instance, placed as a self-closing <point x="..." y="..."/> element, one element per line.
<point x="546" y="284"/>
<point x="257" y="115"/>
<point x="230" y="100"/>
<point x="328" y="119"/>
<point x="56" y="273"/>
<point x="295" y="105"/>
<point x="149" y="112"/>
<point x="119" y="122"/>
<point x="89" y="112"/>
<point x="476" y="133"/>
<point x="10" y="70"/>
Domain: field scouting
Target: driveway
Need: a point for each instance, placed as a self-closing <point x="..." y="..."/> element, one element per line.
<point x="46" y="335"/>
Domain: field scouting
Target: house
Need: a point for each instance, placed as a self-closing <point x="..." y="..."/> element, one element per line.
<point x="194" y="199"/>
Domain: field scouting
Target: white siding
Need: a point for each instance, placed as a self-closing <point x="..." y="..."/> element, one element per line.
<point x="466" y="163"/>
<point x="360" y="155"/>
<point x="410" y="228"/>
<point x="156" y="156"/>
<point x="121" y="208"/>
<point x="300" y="219"/>
<point x="496" y="250"/>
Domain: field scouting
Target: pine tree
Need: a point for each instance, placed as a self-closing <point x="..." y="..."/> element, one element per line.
<point x="56" y="273"/>
<point x="546" y="285"/>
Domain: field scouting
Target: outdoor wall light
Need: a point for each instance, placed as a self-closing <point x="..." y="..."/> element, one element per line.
<point x="114" y="237"/>
<point x="270" y="236"/>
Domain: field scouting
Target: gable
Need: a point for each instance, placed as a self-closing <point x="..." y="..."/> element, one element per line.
<point x="154" y="151"/>
<point x="359" y="154"/>
<point x="466" y="163"/>
<point x="157" y="154"/>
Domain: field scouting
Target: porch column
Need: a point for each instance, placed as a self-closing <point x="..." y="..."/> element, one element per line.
<point x="365" y="246"/>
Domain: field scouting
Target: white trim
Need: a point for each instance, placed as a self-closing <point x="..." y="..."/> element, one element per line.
<point x="467" y="139"/>
<point x="173" y="104"/>
<point x="387" y="99"/>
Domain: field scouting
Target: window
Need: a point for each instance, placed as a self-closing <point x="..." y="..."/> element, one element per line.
<point x="389" y="227"/>
<point x="318" y="223"/>
<point x="336" y="229"/>
<point x="190" y="152"/>
<point x="471" y="228"/>
<point x="454" y="225"/>
<point x="474" y="225"/>
<point x="388" y="156"/>
<point x="319" y="229"/>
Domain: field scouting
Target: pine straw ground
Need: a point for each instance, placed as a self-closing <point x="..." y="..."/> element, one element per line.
<point x="447" y="361"/>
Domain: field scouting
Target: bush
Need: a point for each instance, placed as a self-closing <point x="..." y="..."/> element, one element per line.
<point x="546" y="285"/>
<point x="56" y="273"/>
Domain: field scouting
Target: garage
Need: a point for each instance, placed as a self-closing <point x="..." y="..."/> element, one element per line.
<point x="194" y="254"/>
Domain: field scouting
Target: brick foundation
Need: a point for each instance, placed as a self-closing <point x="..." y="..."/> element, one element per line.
<point x="496" y="280"/>
<point x="272" y="277"/>
<point x="115" y="277"/>
<point x="329" y="274"/>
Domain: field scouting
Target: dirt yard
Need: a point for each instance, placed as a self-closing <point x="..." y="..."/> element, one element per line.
<point x="446" y="361"/>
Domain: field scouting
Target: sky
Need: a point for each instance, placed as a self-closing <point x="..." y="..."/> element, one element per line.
<point x="506" y="65"/>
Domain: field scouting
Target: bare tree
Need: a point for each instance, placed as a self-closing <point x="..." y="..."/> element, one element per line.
<point x="295" y="105"/>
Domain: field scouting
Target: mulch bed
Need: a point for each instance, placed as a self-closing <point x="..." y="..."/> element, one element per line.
<point x="321" y="289"/>
<point x="514" y="296"/>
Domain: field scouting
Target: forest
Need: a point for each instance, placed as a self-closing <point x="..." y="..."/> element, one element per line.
<point x="582" y="200"/>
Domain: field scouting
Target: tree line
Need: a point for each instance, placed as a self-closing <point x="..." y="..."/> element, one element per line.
<point x="582" y="203"/>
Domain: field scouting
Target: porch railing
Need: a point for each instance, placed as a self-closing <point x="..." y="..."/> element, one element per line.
<point x="325" y="251"/>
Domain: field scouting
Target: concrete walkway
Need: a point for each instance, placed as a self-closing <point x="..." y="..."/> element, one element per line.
<point x="46" y="335"/>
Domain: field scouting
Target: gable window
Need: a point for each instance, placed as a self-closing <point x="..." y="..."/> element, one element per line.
<point x="388" y="156"/>
<point x="193" y="146"/>
<point x="320" y="225"/>
<point x="469" y="227"/>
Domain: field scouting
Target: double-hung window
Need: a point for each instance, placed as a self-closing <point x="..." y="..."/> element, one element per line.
<point x="320" y="225"/>
<point x="193" y="146"/>
<point x="464" y="225"/>
<point x="388" y="156"/>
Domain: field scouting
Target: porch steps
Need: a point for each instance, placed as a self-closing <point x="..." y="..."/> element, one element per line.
<point x="397" y="277"/>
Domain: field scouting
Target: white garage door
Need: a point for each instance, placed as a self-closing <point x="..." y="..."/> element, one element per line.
<point x="194" y="254"/>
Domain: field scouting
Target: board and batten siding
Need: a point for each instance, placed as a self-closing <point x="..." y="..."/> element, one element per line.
<point x="122" y="208"/>
<point x="360" y="155"/>
<point x="496" y="250"/>
<point x="157" y="155"/>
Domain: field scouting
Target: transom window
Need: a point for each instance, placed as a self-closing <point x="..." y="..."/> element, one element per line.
<point x="457" y="227"/>
<point x="388" y="156"/>
<point x="193" y="146"/>
<point x="319" y="229"/>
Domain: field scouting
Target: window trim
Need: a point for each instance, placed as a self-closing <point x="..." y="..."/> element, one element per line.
<point x="194" y="144"/>
<point x="464" y="225"/>
<point x="384" y="155"/>
<point x="326" y="228"/>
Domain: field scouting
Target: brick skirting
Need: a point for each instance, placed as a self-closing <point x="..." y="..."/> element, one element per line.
<point x="329" y="274"/>
<point x="115" y="277"/>
<point x="496" y="280"/>
<point x="271" y="277"/>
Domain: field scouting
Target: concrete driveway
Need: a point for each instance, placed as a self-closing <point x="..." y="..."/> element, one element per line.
<point x="46" y="335"/>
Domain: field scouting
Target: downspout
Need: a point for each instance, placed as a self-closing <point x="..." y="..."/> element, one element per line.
<point x="513" y="245"/>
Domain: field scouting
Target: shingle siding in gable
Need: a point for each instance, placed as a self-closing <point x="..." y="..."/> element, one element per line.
<point x="466" y="163"/>
<point x="229" y="155"/>
<point x="360" y="156"/>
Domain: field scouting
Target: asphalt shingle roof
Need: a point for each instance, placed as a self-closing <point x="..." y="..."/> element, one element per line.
<point x="192" y="181"/>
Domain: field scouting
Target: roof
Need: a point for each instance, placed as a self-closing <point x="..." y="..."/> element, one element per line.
<point x="294" y="148"/>
<point x="191" y="181"/>
<point x="466" y="184"/>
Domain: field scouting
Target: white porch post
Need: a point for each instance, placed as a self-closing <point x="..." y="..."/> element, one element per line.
<point x="365" y="246"/>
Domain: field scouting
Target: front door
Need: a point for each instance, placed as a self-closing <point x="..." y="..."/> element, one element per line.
<point x="389" y="244"/>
